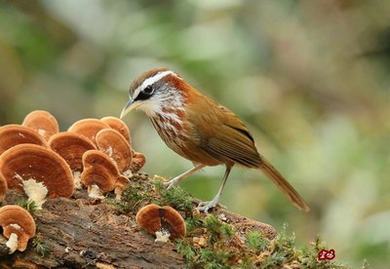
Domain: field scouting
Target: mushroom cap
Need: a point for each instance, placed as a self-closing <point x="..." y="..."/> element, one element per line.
<point x="119" y="125"/>
<point x="3" y="188"/>
<point x="153" y="218"/>
<point x="13" y="134"/>
<point x="15" y="219"/>
<point x="88" y="128"/>
<point x="71" y="147"/>
<point x="115" y="146"/>
<point x="137" y="162"/>
<point x="24" y="162"/>
<point x="100" y="170"/>
<point x="43" y="122"/>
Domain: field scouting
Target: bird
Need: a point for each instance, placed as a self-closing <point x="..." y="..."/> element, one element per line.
<point x="201" y="130"/>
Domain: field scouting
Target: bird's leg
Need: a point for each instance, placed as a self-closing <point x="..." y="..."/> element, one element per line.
<point x="176" y="180"/>
<point x="206" y="206"/>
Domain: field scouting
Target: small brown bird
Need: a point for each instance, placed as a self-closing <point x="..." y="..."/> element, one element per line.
<point x="200" y="130"/>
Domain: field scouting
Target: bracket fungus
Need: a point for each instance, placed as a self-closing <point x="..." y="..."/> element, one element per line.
<point x="3" y="188"/>
<point x="43" y="122"/>
<point x="88" y="128"/>
<point x="71" y="147"/>
<point x="161" y="221"/>
<point x="13" y="134"/>
<point x="137" y="162"/>
<point x="38" y="171"/>
<point x="18" y="226"/>
<point x="101" y="175"/>
<point x="116" y="147"/>
<point x="118" y="125"/>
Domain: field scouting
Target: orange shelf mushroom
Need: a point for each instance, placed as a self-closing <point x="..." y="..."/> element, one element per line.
<point x="71" y="147"/>
<point x="18" y="227"/>
<point x="88" y="128"/>
<point x="116" y="147"/>
<point x="101" y="175"/>
<point x="43" y="122"/>
<point x="118" y="125"/>
<point x="137" y="162"/>
<point x="38" y="171"/>
<point x="3" y="188"/>
<point x="164" y="222"/>
<point x="13" y="134"/>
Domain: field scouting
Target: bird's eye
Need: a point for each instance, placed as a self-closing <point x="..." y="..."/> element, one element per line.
<point x="148" y="90"/>
<point x="145" y="93"/>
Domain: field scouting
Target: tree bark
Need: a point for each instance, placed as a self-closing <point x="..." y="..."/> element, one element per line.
<point x="85" y="233"/>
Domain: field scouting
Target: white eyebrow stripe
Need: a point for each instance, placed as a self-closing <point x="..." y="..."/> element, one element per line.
<point x="152" y="80"/>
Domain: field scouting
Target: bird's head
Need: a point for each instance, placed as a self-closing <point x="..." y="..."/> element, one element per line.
<point x="156" y="90"/>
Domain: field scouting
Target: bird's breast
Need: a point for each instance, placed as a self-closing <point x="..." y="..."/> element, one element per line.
<point x="176" y="132"/>
<point x="171" y="129"/>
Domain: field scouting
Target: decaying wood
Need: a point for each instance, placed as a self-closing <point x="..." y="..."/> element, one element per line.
<point x="85" y="233"/>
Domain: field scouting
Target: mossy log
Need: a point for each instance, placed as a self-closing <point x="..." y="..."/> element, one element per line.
<point x="86" y="233"/>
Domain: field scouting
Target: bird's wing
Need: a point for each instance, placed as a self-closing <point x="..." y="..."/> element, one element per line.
<point x="223" y="135"/>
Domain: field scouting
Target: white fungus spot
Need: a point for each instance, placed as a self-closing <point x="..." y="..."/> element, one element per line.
<point x="36" y="191"/>
<point x="95" y="192"/>
<point x="77" y="179"/>
<point x="162" y="236"/>
<point x="15" y="226"/>
<point x="128" y="173"/>
<point x="42" y="132"/>
<point x="12" y="243"/>
<point x="109" y="151"/>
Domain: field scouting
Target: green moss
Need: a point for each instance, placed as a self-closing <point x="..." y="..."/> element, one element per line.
<point x="192" y="223"/>
<point x="255" y="241"/>
<point x="132" y="198"/>
<point x="223" y="251"/>
<point x="222" y="247"/>
<point x="175" y="197"/>
<point x="217" y="253"/>
<point x="188" y="252"/>
<point x="209" y="257"/>
<point x="217" y="229"/>
<point x="284" y="252"/>
<point x="214" y="259"/>
<point x="138" y="194"/>
<point x="29" y="205"/>
<point x="40" y="246"/>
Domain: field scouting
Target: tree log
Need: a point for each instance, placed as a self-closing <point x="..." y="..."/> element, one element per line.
<point x="86" y="233"/>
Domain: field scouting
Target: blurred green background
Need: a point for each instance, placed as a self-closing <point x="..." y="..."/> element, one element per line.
<point x="310" y="78"/>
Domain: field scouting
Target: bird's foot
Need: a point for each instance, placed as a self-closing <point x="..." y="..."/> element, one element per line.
<point x="172" y="183"/>
<point x="206" y="206"/>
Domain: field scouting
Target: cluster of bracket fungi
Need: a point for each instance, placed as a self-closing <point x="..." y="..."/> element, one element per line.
<point x="93" y="154"/>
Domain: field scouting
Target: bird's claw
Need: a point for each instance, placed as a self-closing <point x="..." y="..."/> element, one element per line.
<point x="171" y="183"/>
<point x="206" y="206"/>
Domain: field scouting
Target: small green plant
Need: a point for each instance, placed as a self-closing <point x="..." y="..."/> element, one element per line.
<point x="255" y="241"/>
<point x="40" y="246"/>
<point x="29" y="205"/>
<point x="187" y="251"/>
<point x="192" y="223"/>
<point x="217" y="229"/>
<point x="176" y="197"/>
<point x="214" y="259"/>
<point x="132" y="198"/>
<point x="208" y="258"/>
<point x="217" y="253"/>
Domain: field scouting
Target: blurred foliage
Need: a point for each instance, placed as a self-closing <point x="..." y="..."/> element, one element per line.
<point x="311" y="79"/>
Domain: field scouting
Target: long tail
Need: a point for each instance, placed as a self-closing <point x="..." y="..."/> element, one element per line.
<point x="283" y="185"/>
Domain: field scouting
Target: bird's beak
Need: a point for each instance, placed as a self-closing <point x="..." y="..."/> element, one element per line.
<point x="128" y="107"/>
